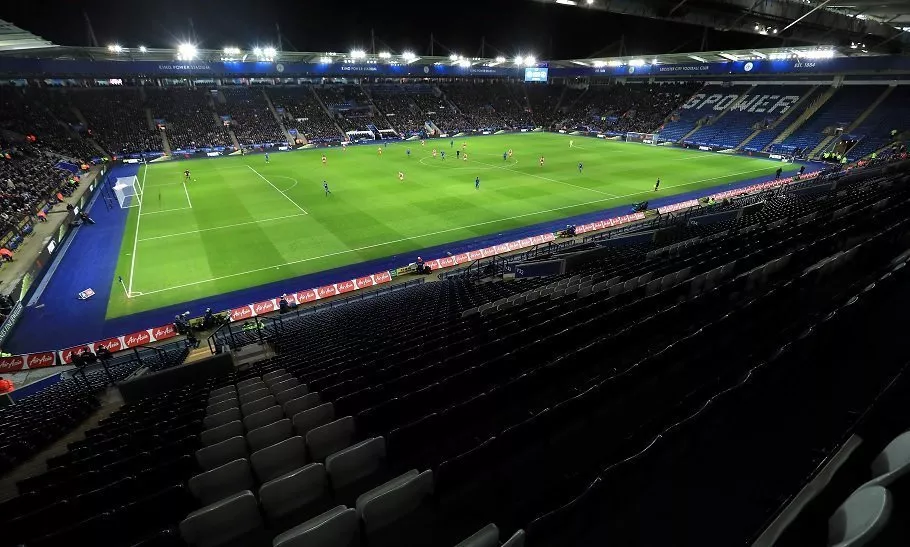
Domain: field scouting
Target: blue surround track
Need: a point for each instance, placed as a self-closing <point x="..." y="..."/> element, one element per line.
<point x="59" y="320"/>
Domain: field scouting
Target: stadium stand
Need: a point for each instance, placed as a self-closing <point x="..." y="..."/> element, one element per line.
<point x="839" y="112"/>
<point x="188" y="116"/>
<point x="543" y="101"/>
<point x="875" y="131"/>
<point x="29" y="179"/>
<point x="566" y="409"/>
<point x="304" y="113"/>
<point x="117" y="119"/>
<point x="490" y="106"/>
<point x="351" y="105"/>
<point x="43" y="114"/>
<point x="251" y="121"/>
<point x="396" y="102"/>
<point x="440" y="111"/>
<point x="626" y="108"/>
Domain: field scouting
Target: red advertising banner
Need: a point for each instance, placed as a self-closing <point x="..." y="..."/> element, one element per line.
<point x="239" y="314"/>
<point x="308" y="295"/>
<point x="345" y="286"/>
<point x="163" y="333"/>
<point x="327" y="291"/>
<point x="139" y="338"/>
<point x="12" y="364"/>
<point x="266" y="306"/>
<point x="113" y="345"/>
<point x="364" y="282"/>
<point x="40" y="360"/>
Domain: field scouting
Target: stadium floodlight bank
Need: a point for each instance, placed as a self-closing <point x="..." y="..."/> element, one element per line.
<point x="646" y="138"/>
<point x="127" y="191"/>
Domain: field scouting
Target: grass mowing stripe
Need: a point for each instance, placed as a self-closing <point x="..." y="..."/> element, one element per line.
<point x="277" y="189"/>
<point x="178" y="234"/>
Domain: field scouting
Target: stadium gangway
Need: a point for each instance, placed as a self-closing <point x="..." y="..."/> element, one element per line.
<point x="475" y="270"/>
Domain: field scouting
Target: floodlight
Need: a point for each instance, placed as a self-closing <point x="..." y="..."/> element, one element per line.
<point x="408" y="56"/>
<point x="385" y="55"/>
<point x="453" y="57"/>
<point x="589" y="2"/>
<point x="500" y="59"/>
<point x="464" y="62"/>
<point x="519" y="60"/>
<point x="115" y="48"/>
<point x="186" y="52"/>
<point x="325" y="60"/>
<point x="143" y="49"/>
<point x="358" y="54"/>
<point x="637" y="62"/>
<point x="269" y="52"/>
<point x="530" y="60"/>
<point x="599" y="64"/>
<point x="614" y="63"/>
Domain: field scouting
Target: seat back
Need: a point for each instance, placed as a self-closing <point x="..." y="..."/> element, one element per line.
<point x="274" y="374"/>
<point x="488" y="536"/>
<point x="223" y="521"/>
<point x="313" y="417"/>
<point x="292" y="491"/>
<point x="327" y="439"/>
<point x="225" y="396"/>
<point x="517" y="540"/>
<point x="221" y="453"/>
<point x="290" y="394"/>
<point x="222" y="433"/>
<point x="222" y="481"/>
<point x="255" y="386"/>
<point x="893" y="461"/>
<point x="215" y="408"/>
<point x="258" y="405"/>
<point x="335" y="528"/>
<point x="355" y="462"/>
<point x="394" y="500"/>
<point x="284" y="384"/>
<point x="221" y="418"/>
<point x="230" y="389"/>
<point x="860" y="519"/>
<point x="298" y="405"/>
<point x="263" y="418"/>
<point x="278" y="459"/>
<point x="270" y="434"/>
<point x="254" y="395"/>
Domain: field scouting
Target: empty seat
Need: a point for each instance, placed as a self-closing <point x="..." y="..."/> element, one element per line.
<point x="222" y="481"/>
<point x="488" y="536"/>
<point x="270" y="434"/>
<point x="294" y="490"/>
<point x="274" y="381"/>
<point x="314" y="417"/>
<point x="517" y="540"/>
<point x="263" y="418"/>
<point x="284" y="385"/>
<point x="223" y="417"/>
<point x="221" y="453"/>
<point x="393" y="500"/>
<point x="290" y="394"/>
<point x="227" y="396"/>
<point x="251" y="387"/>
<point x="225" y="521"/>
<point x="222" y="433"/>
<point x="278" y="459"/>
<point x="222" y="390"/>
<point x="221" y="407"/>
<point x="325" y="440"/>
<point x="860" y="519"/>
<point x="892" y="463"/>
<point x="355" y="462"/>
<point x="255" y="395"/>
<point x="258" y="405"/>
<point x="248" y="382"/>
<point x="274" y="374"/>
<point x="295" y="406"/>
<point x="335" y="528"/>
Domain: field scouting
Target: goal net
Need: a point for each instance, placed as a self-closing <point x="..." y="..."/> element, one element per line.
<point x="646" y="138"/>
<point x="127" y="191"/>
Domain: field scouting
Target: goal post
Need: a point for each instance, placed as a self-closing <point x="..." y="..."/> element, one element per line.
<point x="127" y="191"/>
<point x="644" y="138"/>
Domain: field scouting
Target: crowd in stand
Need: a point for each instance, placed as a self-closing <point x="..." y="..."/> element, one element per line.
<point x="398" y="106"/>
<point x="303" y="112"/>
<point x="33" y="113"/>
<point x="543" y="100"/>
<point x="489" y="106"/>
<point x="117" y="119"/>
<point x="624" y="108"/>
<point x="189" y="120"/>
<point x="440" y="111"/>
<point x="28" y="178"/>
<point x="251" y="120"/>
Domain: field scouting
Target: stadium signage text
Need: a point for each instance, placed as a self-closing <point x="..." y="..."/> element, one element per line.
<point x="744" y="103"/>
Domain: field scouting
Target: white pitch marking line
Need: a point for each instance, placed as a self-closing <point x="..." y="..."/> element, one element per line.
<point x="129" y="290"/>
<point x="187" y="192"/>
<point x="358" y="249"/>
<point x="220" y="227"/>
<point x="147" y="213"/>
<point x="276" y="189"/>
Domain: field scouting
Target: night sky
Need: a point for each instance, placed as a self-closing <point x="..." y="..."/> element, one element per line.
<point x="549" y="31"/>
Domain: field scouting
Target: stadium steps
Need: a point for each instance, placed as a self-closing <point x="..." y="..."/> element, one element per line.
<point x="808" y="113"/>
<point x="149" y="119"/>
<point x="274" y="112"/>
<point x="165" y="144"/>
<point x="327" y="111"/>
<point x="780" y="119"/>
<point x="822" y="146"/>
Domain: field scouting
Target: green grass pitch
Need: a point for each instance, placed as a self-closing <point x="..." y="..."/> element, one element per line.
<point x="241" y="222"/>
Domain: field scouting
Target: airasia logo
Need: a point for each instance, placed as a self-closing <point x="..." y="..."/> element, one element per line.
<point x="446" y="262"/>
<point x="40" y="360"/>
<point x="345" y="286"/>
<point x="383" y="277"/>
<point x="364" y="282"/>
<point x="240" y="314"/>
<point x="161" y="333"/>
<point x="137" y="339"/>
<point x="475" y="255"/>
<point x="112" y="345"/>
<point x="326" y="291"/>
<point x="264" y="307"/>
<point x="306" y="296"/>
<point x="12" y="364"/>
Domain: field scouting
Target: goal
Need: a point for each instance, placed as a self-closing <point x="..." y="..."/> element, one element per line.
<point x="127" y="191"/>
<point x="646" y="138"/>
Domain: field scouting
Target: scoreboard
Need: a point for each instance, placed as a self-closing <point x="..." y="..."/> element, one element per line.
<point x="534" y="74"/>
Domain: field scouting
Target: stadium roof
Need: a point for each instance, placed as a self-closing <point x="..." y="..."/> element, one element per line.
<point x="14" y="39"/>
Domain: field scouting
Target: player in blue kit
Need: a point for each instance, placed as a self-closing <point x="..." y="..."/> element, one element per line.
<point x="443" y="152"/>
<point x="504" y="156"/>
<point x="409" y="152"/>
<point x="266" y="157"/>
<point x="325" y="186"/>
<point x="580" y="167"/>
<point x="477" y="183"/>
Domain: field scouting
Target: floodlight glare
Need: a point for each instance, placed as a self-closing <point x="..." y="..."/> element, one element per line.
<point x="408" y="56"/>
<point x="325" y="60"/>
<point x="257" y="51"/>
<point x="269" y="51"/>
<point x="358" y="54"/>
<point x="500" y="59"/>
<point x="186" y="52"/>
<point x="385" y="55"/>
<point x="115" y="48"/>
<point x="143" y="49"/>
<point x="530" y="60"/>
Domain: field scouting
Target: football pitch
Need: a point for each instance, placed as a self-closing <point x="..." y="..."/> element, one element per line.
<point x="241" y="222"/>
